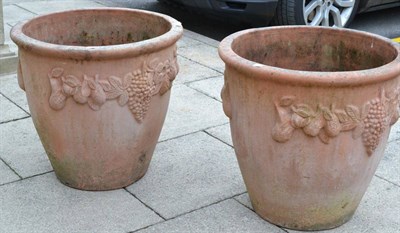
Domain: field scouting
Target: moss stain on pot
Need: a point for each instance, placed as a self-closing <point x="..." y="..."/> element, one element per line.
<point x="65" y="171"/>
<point x="317" y="55"/>
<point x="87" y="39"/>
<point x="129" y="37"/>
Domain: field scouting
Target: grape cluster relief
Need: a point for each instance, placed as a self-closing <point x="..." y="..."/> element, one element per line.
<point x="367" y="122"/>
<point x="135" y="89"/>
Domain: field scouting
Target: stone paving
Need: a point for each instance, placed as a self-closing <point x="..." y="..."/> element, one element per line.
<point x="193" y="183"/>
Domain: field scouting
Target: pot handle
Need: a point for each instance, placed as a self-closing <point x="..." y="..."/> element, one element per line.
<point x="19" y="76"/>
<point x="226" y="101"/>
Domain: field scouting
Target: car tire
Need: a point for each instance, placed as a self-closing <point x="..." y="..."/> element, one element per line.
<point x="338" y="13"/>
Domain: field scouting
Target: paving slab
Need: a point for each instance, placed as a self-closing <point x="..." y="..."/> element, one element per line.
<point x="188" y="173"/>
<point x="389" y="167"/>
<point x="14" y="14"/>
<point x="204" y="54"/>
<point x="190" y="71"/>
<point x="43" y="204"/>
<point x="11" y="2"/>
<point x="187" y="41"/>
<point x="378" y="211"/>
<point x="190" y="111"/>
<point x="45" y="7"/>
<point x="211" y="87"/>
<point x="7" y="39"/>
<point x="226" y="216"/>
<point x="222" y="132"/>
<point x="245" y="200"/>
<point x="199" y="37"/>
<point x="10" y="111"/>
<point x="6" y="174"/>
<point x="394" y="132"/>
<point x="21" y="148"/>
<point x="10" y="89"/>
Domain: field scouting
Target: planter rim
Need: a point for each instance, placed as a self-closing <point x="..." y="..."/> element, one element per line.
<point x="307" y="78"/>
<point x="98" y="52"/>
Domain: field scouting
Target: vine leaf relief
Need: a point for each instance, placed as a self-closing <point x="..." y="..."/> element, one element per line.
<point x="368" y="122"/>
<point x="134" y="89"/>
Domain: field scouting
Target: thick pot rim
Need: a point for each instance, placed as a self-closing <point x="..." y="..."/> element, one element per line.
<point x="98" y="52"/>
<point x="308" y="78"/>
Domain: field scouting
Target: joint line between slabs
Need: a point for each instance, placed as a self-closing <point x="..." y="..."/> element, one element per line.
<point x="187" y="134"/>
<point x="191" y="211"/>
<point x="101" y="3"/>
<point x="144" y="227"/>
<point x="179" y="136"/>
<point x="12" y="169"/>
<point x="285" y="230"/>
<point x="28" y="177"/>
<point x="17" y="4"/>
<point x="208" y="205"/>
<point x="391" y="182"/>
<point x="215" y="126"/>
<point x="5" y="96"/>
<point x="146" y="205"/>
<point x="202" y="79"/>
<point x="4" y="122"/>
<point x="201" y="64"/>
<point x="206" y="94"/>
<point x="209" y="134"/>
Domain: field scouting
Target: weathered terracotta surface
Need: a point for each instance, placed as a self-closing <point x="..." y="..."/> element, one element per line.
<point x="310" y="112"/>
<point x="97" y="83"/>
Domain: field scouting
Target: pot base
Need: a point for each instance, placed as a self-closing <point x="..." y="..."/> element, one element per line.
<point x="304" y="226"/>
<point x="89" y="185"/>
<point x="305" y="217"/>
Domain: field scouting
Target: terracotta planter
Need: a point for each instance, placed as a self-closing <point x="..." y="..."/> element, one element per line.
<point x="310" y="111"/>
<point x="97" y="83"/>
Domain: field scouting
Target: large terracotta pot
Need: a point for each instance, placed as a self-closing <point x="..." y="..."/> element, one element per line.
<point x="310" y="111"/>
<point x="98" y="85"/>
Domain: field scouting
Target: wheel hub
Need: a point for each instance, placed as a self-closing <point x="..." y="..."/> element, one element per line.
<point x="334" y="13"/>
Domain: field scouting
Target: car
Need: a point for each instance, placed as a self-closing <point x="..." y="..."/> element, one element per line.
<point x="334" y="13"/>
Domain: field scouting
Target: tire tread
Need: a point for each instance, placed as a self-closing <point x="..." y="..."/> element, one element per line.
<point x="285" y="12"/>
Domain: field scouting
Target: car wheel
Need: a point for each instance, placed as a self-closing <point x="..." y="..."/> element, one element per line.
<point x="333" y="13"/>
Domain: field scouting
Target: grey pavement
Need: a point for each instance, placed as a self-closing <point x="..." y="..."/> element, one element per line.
<point x="193" y="183"/>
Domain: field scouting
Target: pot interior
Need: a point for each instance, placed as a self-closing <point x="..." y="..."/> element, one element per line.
<point x="314" y="49"/>
<point x="96" y="27"/>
